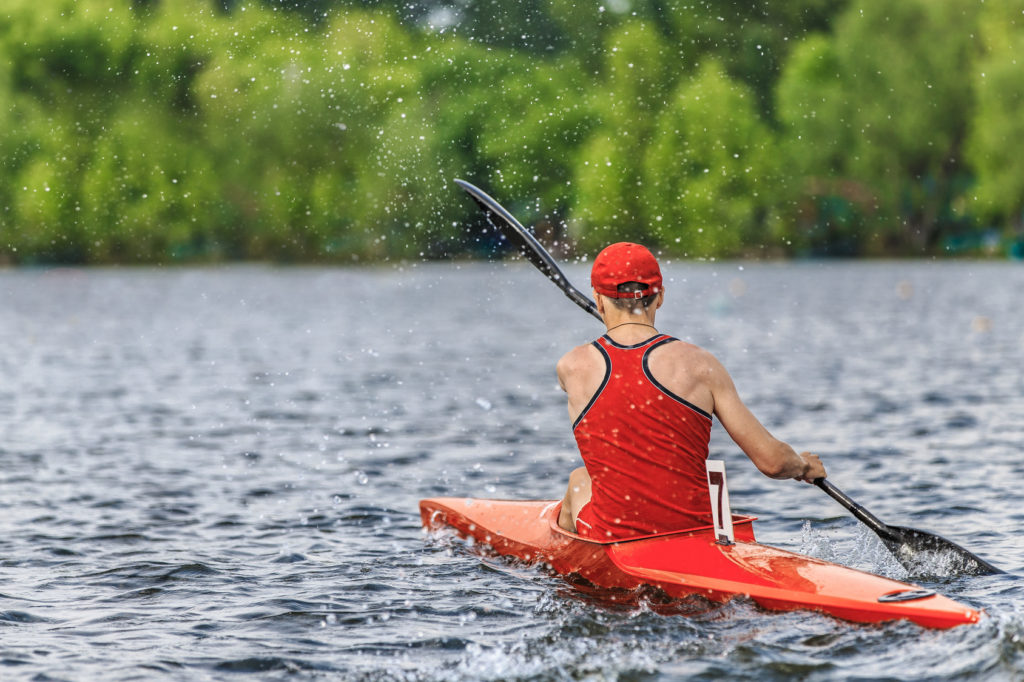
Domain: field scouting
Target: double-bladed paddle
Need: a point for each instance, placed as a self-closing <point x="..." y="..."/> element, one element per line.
<point x="915" y="549"/>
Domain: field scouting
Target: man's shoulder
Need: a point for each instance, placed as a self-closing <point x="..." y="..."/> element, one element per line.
<point x="578" y="353"/>
<point x="687" y="350"/>
<point x="688" y="357"/>
<point x="579" y="356"/>
<point x="576" y="366"/>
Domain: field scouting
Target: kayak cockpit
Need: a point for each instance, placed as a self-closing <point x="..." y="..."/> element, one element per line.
<point x="529" y="529"/>
<point x="743" y="526"/>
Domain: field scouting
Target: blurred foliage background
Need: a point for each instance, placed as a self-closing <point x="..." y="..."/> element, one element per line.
<point x="161" y="131"/>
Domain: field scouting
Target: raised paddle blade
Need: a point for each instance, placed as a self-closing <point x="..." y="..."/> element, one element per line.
<point x="527" y="244"/>
<point x="919" y="552"/>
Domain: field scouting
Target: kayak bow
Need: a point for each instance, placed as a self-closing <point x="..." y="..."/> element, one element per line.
<point x="693" y="562"/>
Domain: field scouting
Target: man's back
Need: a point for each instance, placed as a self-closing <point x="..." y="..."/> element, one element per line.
<point x="643" y="444"/>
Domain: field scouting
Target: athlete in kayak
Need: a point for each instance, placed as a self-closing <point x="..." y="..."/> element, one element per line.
<point x="641" y="404"/>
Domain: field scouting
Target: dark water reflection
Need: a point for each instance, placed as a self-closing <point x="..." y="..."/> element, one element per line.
<point x="206" y="472"/>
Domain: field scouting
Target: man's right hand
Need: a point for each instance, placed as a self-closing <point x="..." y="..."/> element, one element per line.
<point x="813" y="468"/>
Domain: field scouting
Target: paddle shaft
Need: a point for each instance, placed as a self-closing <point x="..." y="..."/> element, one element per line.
<point x="862" y="514"/>
<point x="528" y="245"/>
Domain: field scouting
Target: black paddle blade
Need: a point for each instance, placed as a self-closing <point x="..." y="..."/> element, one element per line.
<point x="527" y="244"/>
<point x="919" y="552"/>
<point x="924" y="553"/>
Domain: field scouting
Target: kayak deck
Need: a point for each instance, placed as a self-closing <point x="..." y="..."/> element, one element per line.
<point x="692" y="562"/>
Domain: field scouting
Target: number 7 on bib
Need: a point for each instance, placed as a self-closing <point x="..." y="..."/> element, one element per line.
<point x="721" y="513"/>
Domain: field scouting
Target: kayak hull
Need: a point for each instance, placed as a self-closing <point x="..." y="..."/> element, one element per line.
<point x="692" y="562"/>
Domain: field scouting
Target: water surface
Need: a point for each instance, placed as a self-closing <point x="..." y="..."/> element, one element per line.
<point x="213" y="471"/>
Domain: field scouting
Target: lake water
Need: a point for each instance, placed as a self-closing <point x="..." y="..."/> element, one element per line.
<point x="212" y="471"/>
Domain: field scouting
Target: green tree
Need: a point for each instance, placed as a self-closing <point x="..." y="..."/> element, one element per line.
<point x="143" y="193"/>
<point x="997" y="126"/>
<point x="304" y="120"/>
<point x="68" y="63"/>
<point x="529" y="133"/>
<point x="751" y="40"/>
<point x="609" y="174"/>
<point x="894" y="91"/>
<point x="708" y="175"/>
<point x="824" y="209"/>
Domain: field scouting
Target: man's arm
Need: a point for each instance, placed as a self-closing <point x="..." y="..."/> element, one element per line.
<point x="770" y="455"/>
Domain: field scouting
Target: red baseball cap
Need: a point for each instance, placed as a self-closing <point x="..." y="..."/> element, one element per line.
<point x="625" y="262"/>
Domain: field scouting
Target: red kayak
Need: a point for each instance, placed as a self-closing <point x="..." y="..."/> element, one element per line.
<point x="694" y="562"/>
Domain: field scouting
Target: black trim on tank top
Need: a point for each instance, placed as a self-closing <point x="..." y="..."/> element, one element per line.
<point x="633" y="347"/>
<point x="600" y="389"/>
<point x="657" y="384"/>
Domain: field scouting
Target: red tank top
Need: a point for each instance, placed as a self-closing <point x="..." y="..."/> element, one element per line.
<point x="644" y="449"/>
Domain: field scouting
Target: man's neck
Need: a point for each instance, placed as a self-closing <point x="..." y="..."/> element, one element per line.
<point x="630" y="322"/>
